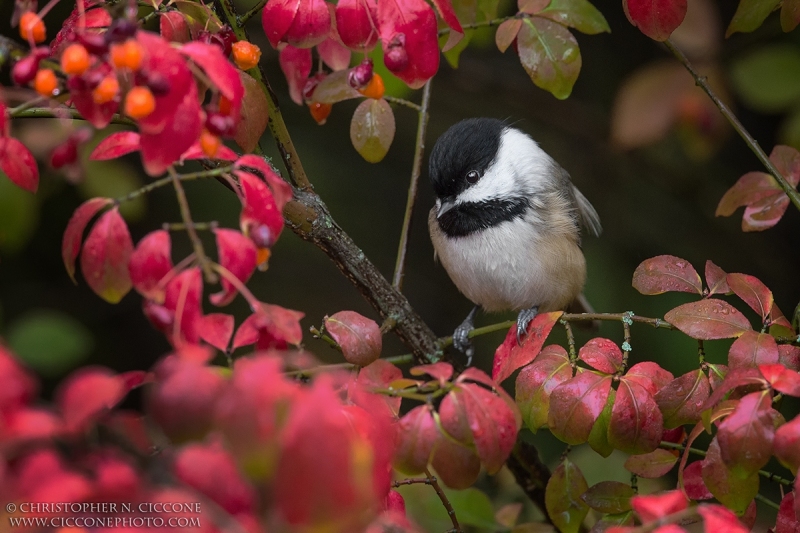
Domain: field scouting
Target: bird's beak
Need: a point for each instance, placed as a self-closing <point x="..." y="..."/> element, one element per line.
<point x="443" y="207"/>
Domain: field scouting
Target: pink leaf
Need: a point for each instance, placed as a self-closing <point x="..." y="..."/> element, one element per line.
<point x="749" y="189"/>
<point x="261" y="218"/>
<point x="753" y="292"/>
<point x="716" y="278"/>
<point x="753" y="349"/>
<point x="655" y="506"/>
<point x="105" y="257"/>
<point x="150" y="262"/>
<point x="237" y="254"/>
<point x="445" y="9"/>
<point x="636" y="422"/>
<point x="666" y="273"/>
<point x="417" y="434"/>
<point x="356" y="24"/>
<point x="358" y="336"/>
<point x="787" y="444"/>
<point x="73" y="235"/>
<point x="576" y="404"/>
<point x="296" y="66"/>
<point x="173" y="27"/>
<point x="116" y="145"/>
<point x="378" y="375"/>
<point x="195" y="151"/>
<point x="441" y="371"/>
<point x="217" y="329"/>
<point x="787" y="520"/>
<point x="183" y="297"/>
<point x="87" y="394"/>
<point x="681" y="401"/>
<point x="17" y="162"/>
<point x="281" y="190"/>
<point x="745" y="436"/>
<point x="509" y="356"/>
<point x="735" y="378"/>
<point x="219" y="70"/>
<point x="708" y="319"/>
<point x="277" y="17"/>
<point x="601" y="354"/>
<point x="655" y="18"/>
<point x="506" y="33"/>
<point x="311" y="24"/>
<point x="652" y="465"/>
<point x="334" y="54"/>
<point x="693" y="483"/>
<point x="536" y="382"/>
<point x="649" y="375"/>
<point x="717" y="518"/>
<point x="781" y="379"/>
<point x="410" y="43"/>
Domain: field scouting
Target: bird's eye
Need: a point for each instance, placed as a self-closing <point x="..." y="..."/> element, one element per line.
<point x="473" y="176"/>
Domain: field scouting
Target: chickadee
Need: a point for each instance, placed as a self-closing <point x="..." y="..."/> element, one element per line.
<point x="506" y="223"/>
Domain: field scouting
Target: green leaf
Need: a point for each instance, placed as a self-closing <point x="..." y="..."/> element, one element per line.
<point x="50" y="342"/>
<point x="562" y="497"/>
<point x="550" y="55"/>
<point x="372" y="129"/>
<point x="769" y="78"/>
<point x="473" y="507"/>
<point x="19" y="213"/>
<point x="750" y="15"/>
<point x="598" y="437"/>
<point x="578" y="14"/>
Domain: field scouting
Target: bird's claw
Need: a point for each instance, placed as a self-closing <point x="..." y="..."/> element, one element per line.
<point x="524" y="319"/>
<point x="461" y="340"/>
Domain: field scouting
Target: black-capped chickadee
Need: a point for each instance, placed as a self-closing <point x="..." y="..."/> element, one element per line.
<point x="506" y="223"/>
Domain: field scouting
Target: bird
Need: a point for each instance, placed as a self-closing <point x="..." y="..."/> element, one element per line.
<point x="506" y="224"/>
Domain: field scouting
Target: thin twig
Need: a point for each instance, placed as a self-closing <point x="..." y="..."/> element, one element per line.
<point x="411" y="481"/>
<point x="180" y="226"/>
<point x="308" y="372"/>
<point x="186" y="215"/>
<point x="416" y="170"/>
<point x="484" y="23"/>
<point x="403" y="102"/>
<point x="442" y="496"/>
<point x="702" y="82"/>
<point x="167" y="180"/>
<point x="242" y="19"/>
<point x="48" y="112"/>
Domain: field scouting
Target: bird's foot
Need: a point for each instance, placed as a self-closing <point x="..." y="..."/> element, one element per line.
<point x="461" y="340"/>
<point x="523" y="320"/>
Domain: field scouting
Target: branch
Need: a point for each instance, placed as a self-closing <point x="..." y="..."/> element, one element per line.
<point x="702" y="82"/>
<point x="447" y="505"/>
<point x="416" y="170"/>
<point x="241" y="20"/>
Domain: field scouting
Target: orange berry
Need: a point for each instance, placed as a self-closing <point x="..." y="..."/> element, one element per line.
<point x="75" y="59"/>
<point x="31" y="27"/>
<point x="127" y="55"/>
<point x="209" y="143"/>
<point x="245" y="54"/>
<point x="106" y="90"/>
<point x="320" y="111"/>
<point x="139" y="102"/>
<point x="262" y="256"/>
<point x="45" y="82"/>
<point x="374" y="88"/>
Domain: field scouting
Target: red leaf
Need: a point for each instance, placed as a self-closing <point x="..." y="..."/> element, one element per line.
<point x="296" y="66"/>
<point x="356" y="24"/>
<point x="652" y="465"/>
<point x="80" y="94"/>
<point x="753" y="292"/>
<point x="217" y="329"/>
<point x="749" y="189"/>
<point x="601" y="354"/>
<point x="782" y="379"/>
<point x="717" y="518"/>
<point x="261" y="218"/>
<point x="410" y="44"/>
<point x="17" y="162"/>
<point x="682" y="400"/>
<point x="457" y="466"/>
<point x="116" y="145"/>
<point x="311" y="24"/>
<point x="73" y="235"/>
<point x="789" y="356"/>
<point x="87" y="394"/>
<point x="106" y="253"/>
<point x="716" y="278"/>
<point x="195" y="152"/>
<point x="562" y="497"/>
<point x="271" y="326"/>
<point x="649" y="375"/>
<point x="655" y="506"/>
<point x="237" y="254"/>
<point x="358" y="336"/>
<point x="693" y="483"/>
<point x="162" y="148"/>
<point x="417" y="434"/>
<point x="536" y="382"/>
<point x="281" y="190"/>
<point x="219" y="70"/>
<point x="745" y="437"/>
<point x="655" y="18"/>
<point x="150" y="262"/>
<point x="636" y="422"/>
<point x="173" y="27"/>
<point x="445" y="9"/>
<point x="665" y="273"/>
<point x="441" y="371"/>
<point x="379" y="375"/>
<point x="753" y="349"/>
<point x="732" y="490"/>
<point x="183" y="296"/>
<point x="576" y="404"/>
<point x="708" y="319"/>
<point x="787" y="521"/>
<point x="510" y="356"/>
<point x="765" y="213"/>
<point x="277" y="17"/>
<point x="787" y="444"/>
<point x="737" y="377"/>
<point x="334" y="54"/>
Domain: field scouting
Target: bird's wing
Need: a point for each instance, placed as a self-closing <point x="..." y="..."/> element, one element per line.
<point x="586" y="215"/>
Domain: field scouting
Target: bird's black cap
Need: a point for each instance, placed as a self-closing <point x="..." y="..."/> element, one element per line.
<point x="471" y="144"/>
